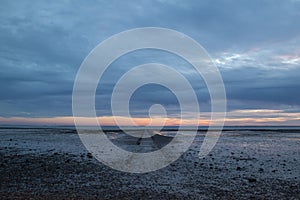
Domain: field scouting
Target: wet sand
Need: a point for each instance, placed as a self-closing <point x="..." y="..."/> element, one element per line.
<point x="245" y="164"/>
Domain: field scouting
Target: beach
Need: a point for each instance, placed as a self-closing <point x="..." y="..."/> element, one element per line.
<point x="52" y="163"/>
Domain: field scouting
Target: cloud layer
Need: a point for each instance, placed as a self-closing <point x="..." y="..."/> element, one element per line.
<point x="255" y="44"/>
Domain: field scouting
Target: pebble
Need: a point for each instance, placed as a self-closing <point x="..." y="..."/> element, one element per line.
<point x="251" y="180"/>
<point x="89" y="155"/>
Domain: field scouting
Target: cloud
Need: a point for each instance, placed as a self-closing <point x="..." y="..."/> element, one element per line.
<point x="255" y="44"/>
<point x="277" y="56"/>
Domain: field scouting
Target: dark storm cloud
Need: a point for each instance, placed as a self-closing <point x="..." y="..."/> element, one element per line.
<point x="43" y="44"/>
<point x="267" y="89"/>
<point x="223" y="24"/>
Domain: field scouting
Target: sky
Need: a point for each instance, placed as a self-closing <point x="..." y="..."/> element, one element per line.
<point x="255" y="45"/>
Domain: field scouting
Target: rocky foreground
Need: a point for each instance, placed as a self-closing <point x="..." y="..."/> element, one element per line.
<point x="51" y="164"/>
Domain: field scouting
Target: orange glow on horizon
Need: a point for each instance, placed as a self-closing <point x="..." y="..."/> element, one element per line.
<point x="236" y="117"/>
<point x="104" y="121"/>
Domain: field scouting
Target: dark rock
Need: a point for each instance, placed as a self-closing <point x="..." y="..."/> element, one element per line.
<point x="89" y="155"/>
<point x="251" y="180"/>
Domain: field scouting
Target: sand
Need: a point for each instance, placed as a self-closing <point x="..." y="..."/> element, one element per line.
<point x="245" y="164"/>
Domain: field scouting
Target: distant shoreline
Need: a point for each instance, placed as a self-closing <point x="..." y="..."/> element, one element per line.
<point x="166" y="128"/>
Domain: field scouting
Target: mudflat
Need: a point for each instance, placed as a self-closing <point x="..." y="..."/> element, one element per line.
<point x="54" y="164"/>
